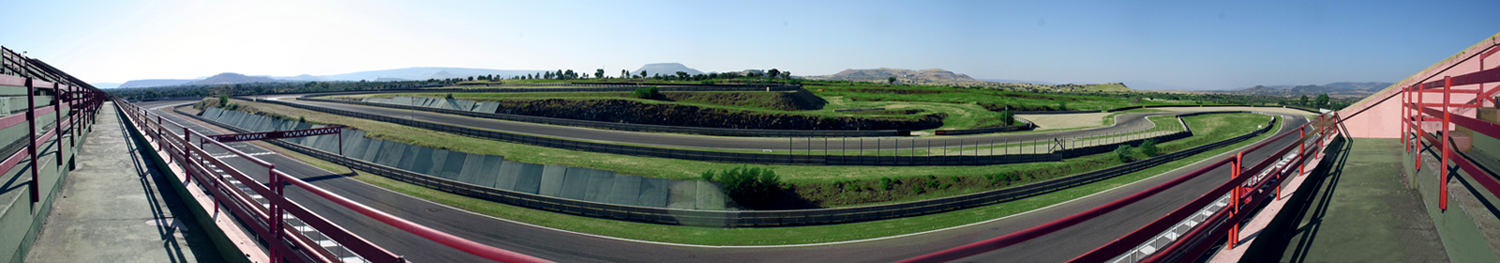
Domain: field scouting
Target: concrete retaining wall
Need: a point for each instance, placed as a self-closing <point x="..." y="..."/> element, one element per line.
<point x="490" y="171"/>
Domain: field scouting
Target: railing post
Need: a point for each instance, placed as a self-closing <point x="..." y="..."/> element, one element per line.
<point x="1443" y="164"/>
<point x="57" y="120"/>
<point x="1421" y="119"/>
<point x="1234" y="198"/>
<point x="31" y="139"/>
<point x="276" y="216"/>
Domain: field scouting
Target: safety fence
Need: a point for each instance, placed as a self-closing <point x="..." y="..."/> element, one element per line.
<point x="45" y="116"/>
<point x="751" y="218"/>
<point x="1052" y="149"/>
<point x="254" y="196"/>
<point x="1419" y="116"/>
<point x="1190" y="230"/>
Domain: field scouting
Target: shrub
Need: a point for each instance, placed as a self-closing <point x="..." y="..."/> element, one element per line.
<point x="1008" y="117"/>
<point x="885" y="183"/>
<point x="918" y="189"/>
<point x="1149" y="148"/>
<point x="223" y="100"/>
<point x="646" y="93"/>
<point x="1123" y="153"/>
<point x="302" y="119"/>
<point x="955" y="178"/>
<point x="945" y="186"/>
<point x="933" y="184"/>
<point x="748" y="186"/>
<point x="1062" y="105"/>
<point x="450" y="96"/>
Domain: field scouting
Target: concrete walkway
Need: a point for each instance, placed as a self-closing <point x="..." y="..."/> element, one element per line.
<point x="1354" y="208"/>
<point x="117" y="207"/>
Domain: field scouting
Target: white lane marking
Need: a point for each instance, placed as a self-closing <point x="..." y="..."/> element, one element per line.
<point x="235" y="155"/>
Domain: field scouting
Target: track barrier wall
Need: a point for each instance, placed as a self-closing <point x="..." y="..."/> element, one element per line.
<point x="1061" y="148"/>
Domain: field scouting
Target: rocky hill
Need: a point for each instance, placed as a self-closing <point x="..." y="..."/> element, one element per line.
<point x="666" y="69"/>
<point x="1336" y="89"/>
<point x="231" y="78"/>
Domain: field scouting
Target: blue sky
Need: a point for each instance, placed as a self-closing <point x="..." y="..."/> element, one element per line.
<point x="1188" y="44"/>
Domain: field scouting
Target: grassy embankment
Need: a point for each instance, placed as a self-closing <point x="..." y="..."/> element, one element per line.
<point x="812" y="183"/>
<point x="780" y="235"/>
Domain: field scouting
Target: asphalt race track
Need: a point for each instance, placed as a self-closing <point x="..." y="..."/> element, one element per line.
<point x="566" y="246"/>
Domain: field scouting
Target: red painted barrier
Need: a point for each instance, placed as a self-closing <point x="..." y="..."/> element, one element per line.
<point x="192" y="157"/>
<point x="1124" y="244"/>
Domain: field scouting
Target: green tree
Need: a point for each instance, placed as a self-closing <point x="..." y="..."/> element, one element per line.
<point x="624" y="74"/>
<point x="1302" y="101"/>
<point x="773" y="73"/>
<point x="682" y="75"/>
<point x="891" y="80"/>
<point x="223" y="100"/>
<point x="1149" y="148"/>
<point x="1322" y="101"/>
<point x="643" y="73"/>
<point x="599" y="73"/>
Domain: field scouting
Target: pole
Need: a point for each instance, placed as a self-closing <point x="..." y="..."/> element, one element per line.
<point x="1443" y="165"/>
<point x="31" y="139"/>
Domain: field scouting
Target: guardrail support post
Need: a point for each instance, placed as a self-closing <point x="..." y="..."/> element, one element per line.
<point x="1234" y="199"/>
<point x="31" y="139"/>
<point x="1443" y="164"/>
<point x="1420" y="136"/>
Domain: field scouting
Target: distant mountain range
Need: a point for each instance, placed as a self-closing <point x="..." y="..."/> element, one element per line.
<point x="405" y="74"/>
<point x="1336" y="89"/>
<point x="933" y="76"/>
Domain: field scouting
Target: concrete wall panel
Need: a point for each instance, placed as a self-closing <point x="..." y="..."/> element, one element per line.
<point x="439" y="158"/>
<point x="422" y="161"/>
<point x="654" y="192"/>
<point x="682" y="194"/>
<point x="489" y="169"/>
<point x="469" y="171"/>
<point x="506" y="180"/>
<point x="600" y="184"/>
<point x="530" y="178"/>
<point x="454" y="165"/>
<point x="372" y="150"/>
<point x="575" y="183"/>
<point x="552" y="179"/>
<point x="390" y="153"/>
<point x="626" y="191"/>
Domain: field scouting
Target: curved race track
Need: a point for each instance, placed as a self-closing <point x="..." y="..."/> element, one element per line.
<point x="566" y="246"/>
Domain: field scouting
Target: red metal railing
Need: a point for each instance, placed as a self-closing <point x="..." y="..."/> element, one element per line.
<point x="186" y="150"/>
<point x="1416" y="111"/>
<point x="1240" y="189"/>
<point x="77" y="103"/>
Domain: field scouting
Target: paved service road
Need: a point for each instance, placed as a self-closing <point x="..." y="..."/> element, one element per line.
<point x="1124" y="123"/>
<point x="573" y="247"/>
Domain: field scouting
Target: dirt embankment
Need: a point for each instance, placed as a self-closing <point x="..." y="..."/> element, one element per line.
<point x="615" y="110"/>
<point x="787" y="101"/>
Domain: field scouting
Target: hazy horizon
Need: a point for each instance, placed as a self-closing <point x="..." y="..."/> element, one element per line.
<point x="1192" y="45"/>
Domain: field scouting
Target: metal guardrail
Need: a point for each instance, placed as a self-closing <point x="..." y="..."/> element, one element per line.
<point x="637" y="127"/>
<point x="750" y="218"/>
<point x="1236" y="188"/>
<point x="1417" y="111"/>
<point x="291" y="232"/>
<point x="1060" y="148"/>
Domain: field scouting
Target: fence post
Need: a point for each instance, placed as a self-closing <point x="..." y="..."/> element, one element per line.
<point x="1421" y="118"/>
<point x="1443" y="165"/>
<point x="31" y="139"/>
<point x="1234" y="199"/>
